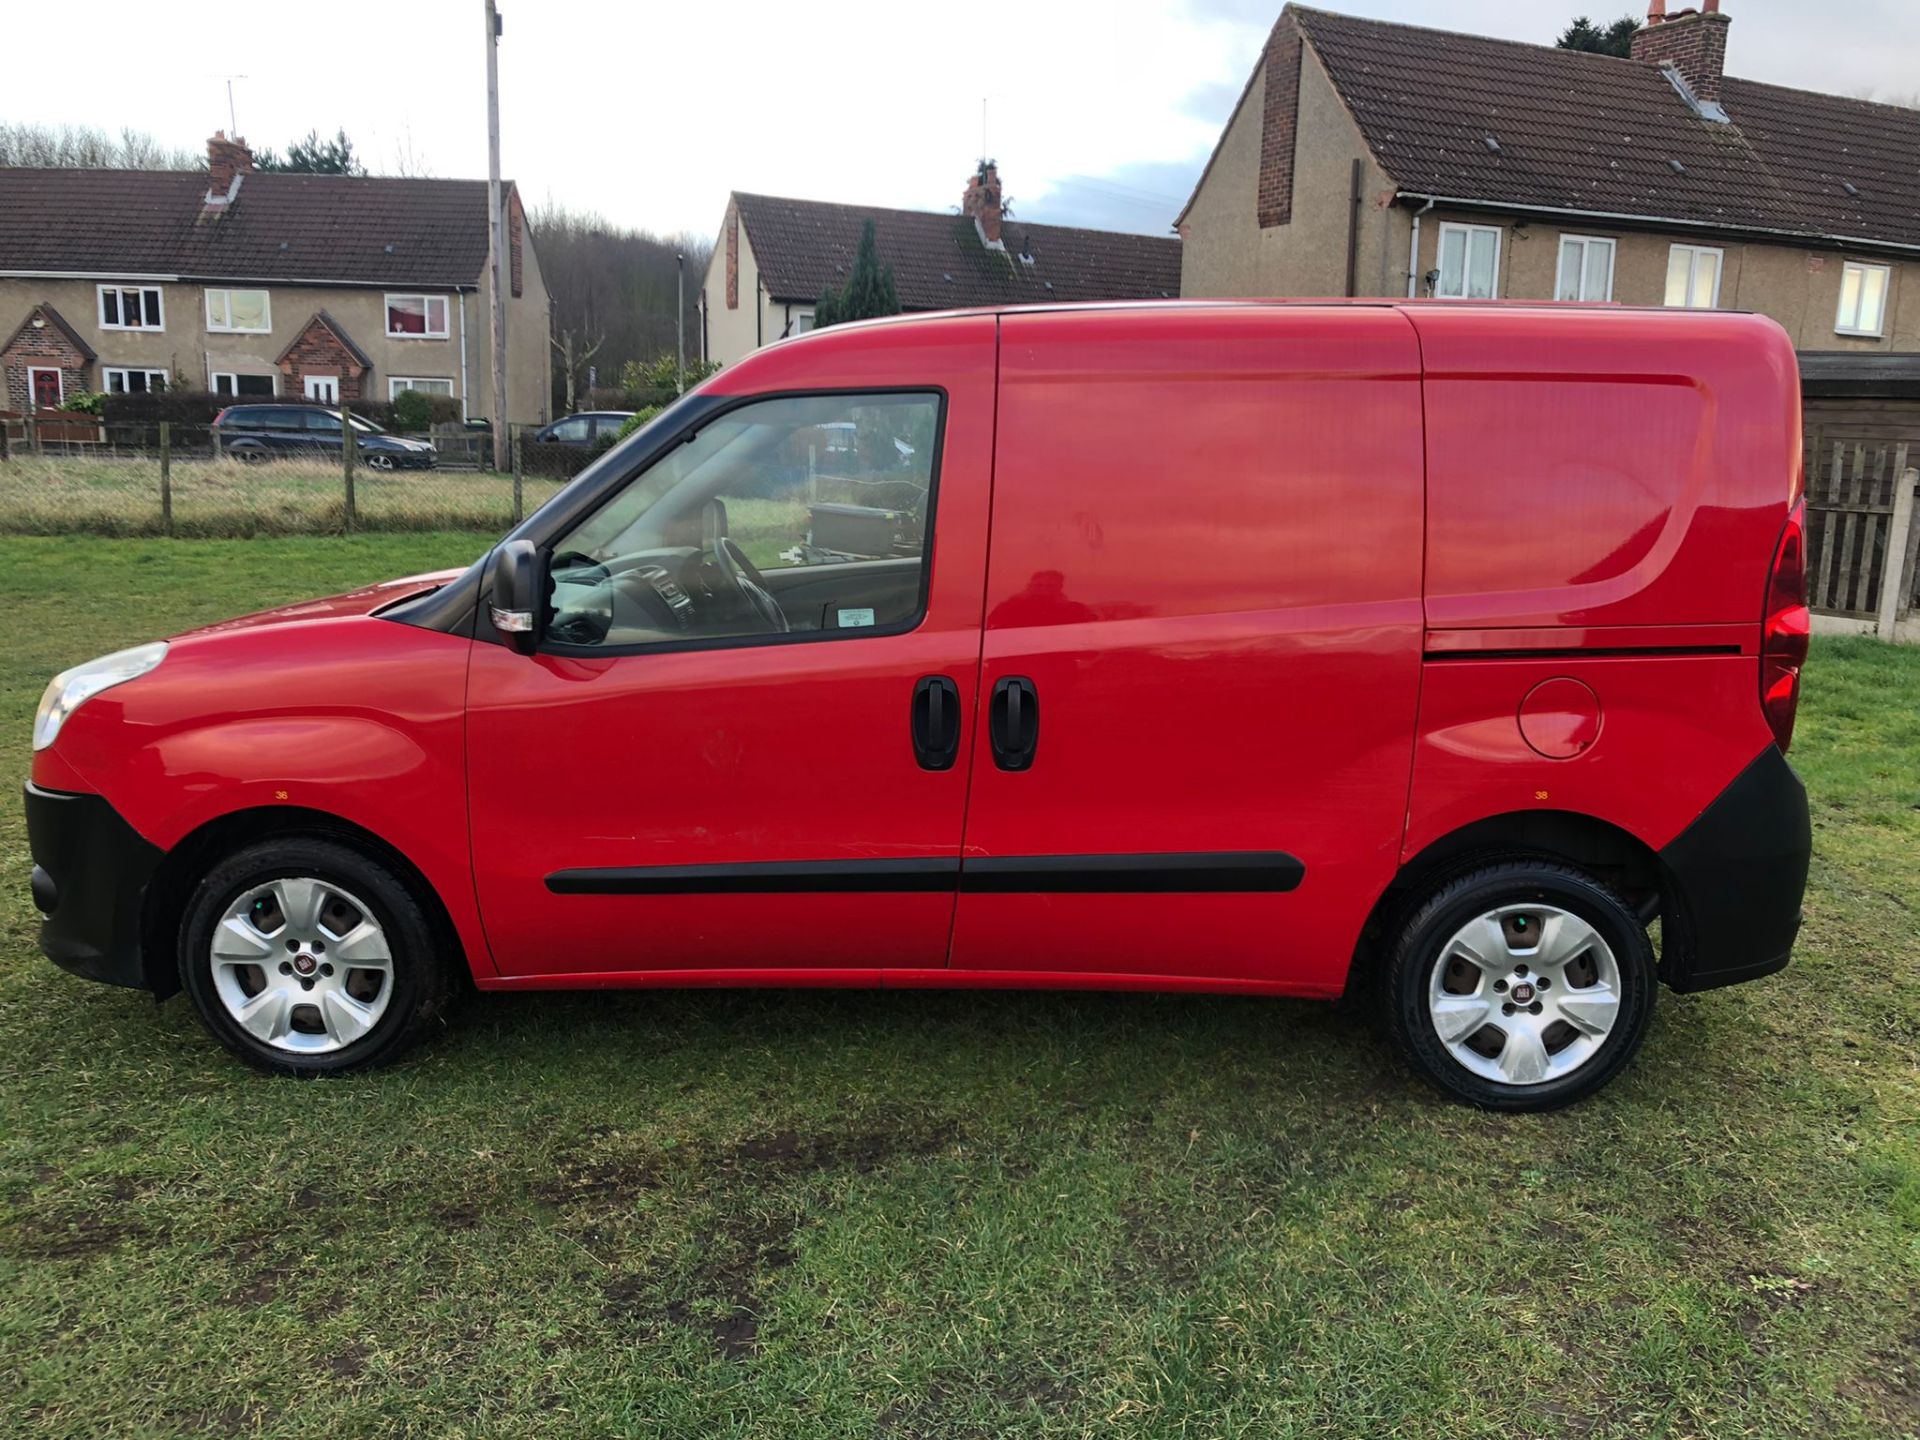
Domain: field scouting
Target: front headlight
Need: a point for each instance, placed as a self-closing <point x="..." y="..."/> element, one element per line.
<point x="71" y="689"/>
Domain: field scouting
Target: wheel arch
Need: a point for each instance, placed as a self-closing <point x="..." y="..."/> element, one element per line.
<point x="1618" y="856"/>
<point x="181" y="869"/>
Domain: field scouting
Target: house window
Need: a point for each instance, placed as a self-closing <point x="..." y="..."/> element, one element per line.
<point x="1693" y="277"/>
<point x="418" y="316"/>
<point x="230" y="385"/>
<point x="1469" y="262"/>
<point x="1586" y="268"/>
<point x="398" y="384"/>
<point x="803" y="322"/>
<point x="128" y="380"/>
<point x="1863" y="299"/>
<point x="131" y="307"/>
<point x="242" y="312"/>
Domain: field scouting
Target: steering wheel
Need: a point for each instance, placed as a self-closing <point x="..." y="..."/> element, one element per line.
<point x="740" y="572"/>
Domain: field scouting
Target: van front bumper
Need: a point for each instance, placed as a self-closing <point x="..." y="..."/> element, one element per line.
<point x="90" y="875"/>
<point x="1734" y="879"/>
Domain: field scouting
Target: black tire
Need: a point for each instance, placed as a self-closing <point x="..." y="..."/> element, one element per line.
<point x="421" y="973"/>
<point x="1433" y="921"/>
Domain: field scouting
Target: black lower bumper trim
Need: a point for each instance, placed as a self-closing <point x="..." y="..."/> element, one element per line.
<point x="90" y="874"/>
<point x="1734" y="881"/>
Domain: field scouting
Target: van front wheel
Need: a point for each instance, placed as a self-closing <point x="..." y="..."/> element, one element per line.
<point x="306" y="956"/>
<point x="1524" y="985"/>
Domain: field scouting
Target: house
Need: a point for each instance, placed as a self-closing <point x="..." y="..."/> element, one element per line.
<point x="1367" y="158"/>
<point x="251" y="284"/>
<point x="776" y="256"/>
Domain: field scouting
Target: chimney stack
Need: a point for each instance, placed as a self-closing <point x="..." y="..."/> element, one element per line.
<point x="981" y="200"/>
<point x="1694" y="42"/>
<point x="227" y="161"/>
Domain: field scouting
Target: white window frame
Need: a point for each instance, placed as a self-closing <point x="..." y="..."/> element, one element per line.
<point x="1560" y="273"/>
<point x="1466" y="260"/>
<point x="397" y="384"/>
<point x="60" y="379"/>
<point x="121" y="291"/>
<point x="424" y="297"/>
<point x="266" y="305"/>
<point x="1878" y="332"/>
<point x="1693" y="268"/>
<point x="107" y="372"/>
<point x="232" y="377"/>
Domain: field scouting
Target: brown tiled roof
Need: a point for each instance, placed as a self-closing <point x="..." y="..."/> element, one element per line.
<point x="1595" y="133"/>
<point x="371" y="230"/>
<point x="59" y="322"/>
<point x="939" y="262"/>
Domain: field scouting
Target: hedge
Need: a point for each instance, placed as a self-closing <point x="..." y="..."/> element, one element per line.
<point x="198" y="407"/>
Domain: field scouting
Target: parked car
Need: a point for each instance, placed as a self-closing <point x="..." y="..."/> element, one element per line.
<point x="262" y="432"/>
<point x="1427" y="652"/>
<point x="588" y="428"/>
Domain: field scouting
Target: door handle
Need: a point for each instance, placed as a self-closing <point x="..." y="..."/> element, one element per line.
<point x="935" y="722"/>
<point x="1013" y="722"/>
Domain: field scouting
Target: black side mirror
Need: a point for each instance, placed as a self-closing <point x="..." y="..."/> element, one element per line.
<point x="519" y="601"/>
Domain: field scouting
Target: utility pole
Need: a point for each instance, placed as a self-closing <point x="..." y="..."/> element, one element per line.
<point x="497" y="232"/>
<point x="680" y="319"/>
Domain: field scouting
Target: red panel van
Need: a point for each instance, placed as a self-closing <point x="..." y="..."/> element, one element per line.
<point x="1430" y="652"/>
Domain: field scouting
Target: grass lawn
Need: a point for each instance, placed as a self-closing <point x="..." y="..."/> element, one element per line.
<point x="119" y="495"/>
<point x="825" y="1214"/>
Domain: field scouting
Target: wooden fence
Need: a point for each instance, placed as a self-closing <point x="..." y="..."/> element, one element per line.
<point x="1863" y="548"/>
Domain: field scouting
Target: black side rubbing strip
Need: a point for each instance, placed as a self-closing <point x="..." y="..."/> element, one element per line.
<point x="772" y="877"/>
<point x="1249" y="870"/>
<point x="1223" y="873"/>
<point x="1618" y="652"/>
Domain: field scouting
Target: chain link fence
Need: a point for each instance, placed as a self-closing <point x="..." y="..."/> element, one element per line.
<point x="64" y="473"/>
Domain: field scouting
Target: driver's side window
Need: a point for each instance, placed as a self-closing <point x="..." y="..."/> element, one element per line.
<point x="800" y="514"/>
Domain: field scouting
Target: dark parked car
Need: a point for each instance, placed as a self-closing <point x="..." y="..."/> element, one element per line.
<point x="589" y="427"/>
<point x="264" y="432"/>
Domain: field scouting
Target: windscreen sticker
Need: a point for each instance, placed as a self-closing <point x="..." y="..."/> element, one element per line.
<point x="850" y="618"/>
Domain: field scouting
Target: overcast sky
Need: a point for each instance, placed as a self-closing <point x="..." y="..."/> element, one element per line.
<point x="1099" y="114"/>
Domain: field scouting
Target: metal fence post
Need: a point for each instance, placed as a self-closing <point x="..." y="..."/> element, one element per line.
<point x="519" y="478"/>
<point x="166" y="477"/>
<point x="1893" y="576"/>
<point x="346" y="457"/>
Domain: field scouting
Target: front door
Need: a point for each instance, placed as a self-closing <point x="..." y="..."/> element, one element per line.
<point x="46" y="388"/>
<point x="1202" y="646"/>
<point x="710" y="763"/>
<point x="324" y="388"/>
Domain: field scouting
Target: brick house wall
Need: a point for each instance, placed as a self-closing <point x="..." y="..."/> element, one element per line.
<point x="39" y="346"/>
<point x="1280" y="123"/>
<point x="319" y="350"/>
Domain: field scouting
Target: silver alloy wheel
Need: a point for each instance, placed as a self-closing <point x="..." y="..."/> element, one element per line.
<point x="1524" y="994"/>
<point x="380" y="462"/>
<point x="302" y="965"/>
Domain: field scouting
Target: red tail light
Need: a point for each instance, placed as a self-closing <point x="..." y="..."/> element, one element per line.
<point x="221" y="418"/>
<point x="1783" y="648"/>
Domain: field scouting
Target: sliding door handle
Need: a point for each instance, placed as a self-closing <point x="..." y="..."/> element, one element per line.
<point x="1013" y="722"/>
<point x="935" y="722"/>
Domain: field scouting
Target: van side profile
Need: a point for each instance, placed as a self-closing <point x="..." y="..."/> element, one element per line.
<point x="1424" y="651"/>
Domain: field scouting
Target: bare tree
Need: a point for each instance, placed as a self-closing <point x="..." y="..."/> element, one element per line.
<point x="83" y="147"/>
<point x="573" y="352"/>
<point x="613" y="292"/>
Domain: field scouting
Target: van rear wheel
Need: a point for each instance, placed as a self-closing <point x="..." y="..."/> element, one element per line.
<point x="1524" y="985"/>
<point x="306" y="956"/>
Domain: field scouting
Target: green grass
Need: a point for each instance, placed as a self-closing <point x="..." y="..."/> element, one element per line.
<point x="119" y="495"/>
<point x="826" y="1214"/>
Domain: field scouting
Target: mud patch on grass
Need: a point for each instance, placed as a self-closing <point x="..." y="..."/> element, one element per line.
<point x="723" y="1294"/>
<point x="76" y="1236"/>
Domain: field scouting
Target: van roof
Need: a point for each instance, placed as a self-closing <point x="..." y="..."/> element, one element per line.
<point x="1549" y="307"/>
